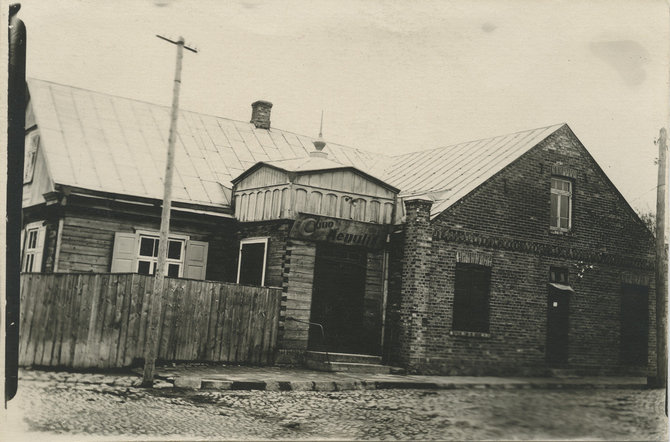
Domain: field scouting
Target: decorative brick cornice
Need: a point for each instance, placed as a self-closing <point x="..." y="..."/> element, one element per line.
<point x="470" y="257"/>
<point x="561" y="170"/>
<point x="539" y="248"/>
<point x="634" y="278"/>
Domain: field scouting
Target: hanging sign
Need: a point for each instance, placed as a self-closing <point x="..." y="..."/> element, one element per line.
<point x="338" y="231"/>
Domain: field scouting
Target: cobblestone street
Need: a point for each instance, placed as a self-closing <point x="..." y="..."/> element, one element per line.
<point x="49" y="407"/>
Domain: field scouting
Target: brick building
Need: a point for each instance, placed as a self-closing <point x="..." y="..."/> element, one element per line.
<point x="514" y="254"/>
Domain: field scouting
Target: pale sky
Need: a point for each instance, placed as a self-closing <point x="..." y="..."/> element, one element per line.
<point x="390" y="76"/>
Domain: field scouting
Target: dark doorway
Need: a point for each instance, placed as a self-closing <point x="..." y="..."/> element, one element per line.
<point x="251" y="269"/>
<point x="634" y="324"/>
<point x="338" y="300"/>
<point x="558" y="309"/>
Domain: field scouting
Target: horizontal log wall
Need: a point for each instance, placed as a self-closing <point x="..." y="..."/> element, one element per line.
<point x="87" y="320"/>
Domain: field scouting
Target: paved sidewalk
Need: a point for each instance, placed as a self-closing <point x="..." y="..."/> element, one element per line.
<point x="224" y="377"/>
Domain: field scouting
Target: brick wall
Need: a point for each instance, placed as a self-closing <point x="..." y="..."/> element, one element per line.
<point x="507" y="220"/>
<point x="415" y="285"/>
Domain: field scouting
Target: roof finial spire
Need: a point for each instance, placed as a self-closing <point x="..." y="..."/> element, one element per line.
<point x="319" y="143"/>
<point x="321" y="127"/>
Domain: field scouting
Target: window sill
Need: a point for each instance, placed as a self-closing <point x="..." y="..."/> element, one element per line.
<point x="554" y="231"/>
<point x="470" y="334"/>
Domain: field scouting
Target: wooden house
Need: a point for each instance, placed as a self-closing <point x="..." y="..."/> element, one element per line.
<point x="504" y="255"/>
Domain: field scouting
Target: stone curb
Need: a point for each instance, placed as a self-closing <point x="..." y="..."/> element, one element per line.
<point x="204" y="383"/>
<point x="348" y="385"/>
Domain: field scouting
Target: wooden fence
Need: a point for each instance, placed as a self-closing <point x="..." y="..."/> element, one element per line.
<point x="101" y="320"/>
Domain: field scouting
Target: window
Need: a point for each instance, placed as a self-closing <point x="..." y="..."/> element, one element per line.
<point x="138" y="253"/>
<point x="147" y="256"/>
<point x="251" y="262"/>
<point x="558" y="275"/>
<point x="33" y="247"/>
<point x="471" y="298"/>
<point x="561" y="204"/>
<point x="30" y="156"/>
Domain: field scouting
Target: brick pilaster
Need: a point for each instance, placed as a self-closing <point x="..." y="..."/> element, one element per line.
<point x="415" y="286"/>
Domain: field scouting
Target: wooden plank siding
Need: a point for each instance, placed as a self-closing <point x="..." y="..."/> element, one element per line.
<point x="298" y="302"/>
<point x="89" y="320"/>
<point x="82" y="233"/>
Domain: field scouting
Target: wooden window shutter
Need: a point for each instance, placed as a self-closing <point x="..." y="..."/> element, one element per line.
<point x="39" y="253"/>
<point x="123" y="257"/>
<point x="195" y="264"/>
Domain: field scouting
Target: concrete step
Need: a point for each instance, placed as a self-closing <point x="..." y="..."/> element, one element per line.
<point x="342" y="357"/>
<point x="348" y="367"/>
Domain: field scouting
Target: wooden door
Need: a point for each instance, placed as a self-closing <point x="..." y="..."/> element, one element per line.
<point x="337" y="300"/>
<point x="558" y="308"/>
<point x="634" y="324"/>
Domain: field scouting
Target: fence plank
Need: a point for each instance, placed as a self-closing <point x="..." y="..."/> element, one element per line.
<point x="87" y="296"/>
<point x="26" y="322"/>
<point x="101" y="320"/>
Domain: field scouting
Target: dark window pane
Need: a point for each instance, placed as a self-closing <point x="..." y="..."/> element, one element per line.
<point x="554" y="210"/>
<point x="156" y="241"/>
<point x="565" y="206"/>
<point x="143" y="267"/>
<point x="146" y="246"/>
<point x="32" y="239"/>
<point x="471" y="298"/>
<point x="173" y="270"/>
<point x="559" y="275"/>
<point x="174" y="250"/>
<point x="251" y="265"/>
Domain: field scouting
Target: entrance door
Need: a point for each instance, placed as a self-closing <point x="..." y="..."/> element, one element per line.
<point x="557" y="327"/>
<point x="634" y="324"/>
<point x="338" y="300"/>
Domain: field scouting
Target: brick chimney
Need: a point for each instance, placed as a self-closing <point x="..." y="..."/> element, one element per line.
<point x="260" y="114"/>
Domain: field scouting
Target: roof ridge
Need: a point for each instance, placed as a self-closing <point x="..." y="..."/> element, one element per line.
<point x="557" y="125"/>
<point x="181" y="109"/>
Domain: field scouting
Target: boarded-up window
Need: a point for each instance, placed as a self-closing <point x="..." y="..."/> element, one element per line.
<point x="345" y="207"/>
<point x="330" y="205"/>
<point x="300" y="200"/>
<point x="471" y="298"/>
<point x="251" y="263"/>
<point x="315" y="202"/>
<point x="634" y="324"/>
<point x="360" y="206"/>
<point x="374" y="212"/>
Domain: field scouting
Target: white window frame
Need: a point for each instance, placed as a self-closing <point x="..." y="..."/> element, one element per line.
<point x="255" y="240"/>
<point x="30" y="253"/>
<point x="154" y="260"/>
<point x="560" y="192"/>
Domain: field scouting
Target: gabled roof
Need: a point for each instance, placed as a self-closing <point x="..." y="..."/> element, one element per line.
<point x="105" y="143"/>
<point x="312" y="164"/>
<point x="111" y="144"/>
<point x="446" y="174"/>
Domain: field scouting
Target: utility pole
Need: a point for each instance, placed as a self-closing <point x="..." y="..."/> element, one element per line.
<point x="151" y="347"/>
<point x="661" y="380"/>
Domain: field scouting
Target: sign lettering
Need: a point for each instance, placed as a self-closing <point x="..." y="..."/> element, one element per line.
<point x="338" y="231"/>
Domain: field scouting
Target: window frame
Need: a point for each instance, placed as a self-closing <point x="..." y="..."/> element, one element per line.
<point x="253" y="240"/>
<point x="560" y="192"/>
<point x="153" y="261"/>
<point x="30" y="254"/>
<point x="558" y="270"/>
<point x="456" y="328"/>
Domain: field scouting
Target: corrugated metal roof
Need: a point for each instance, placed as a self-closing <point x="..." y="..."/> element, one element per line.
<point x="102" y="142"/>
<point x="449" y="173"/>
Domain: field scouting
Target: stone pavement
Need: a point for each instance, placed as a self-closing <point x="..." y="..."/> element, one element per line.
<point x="229" y="377"/>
